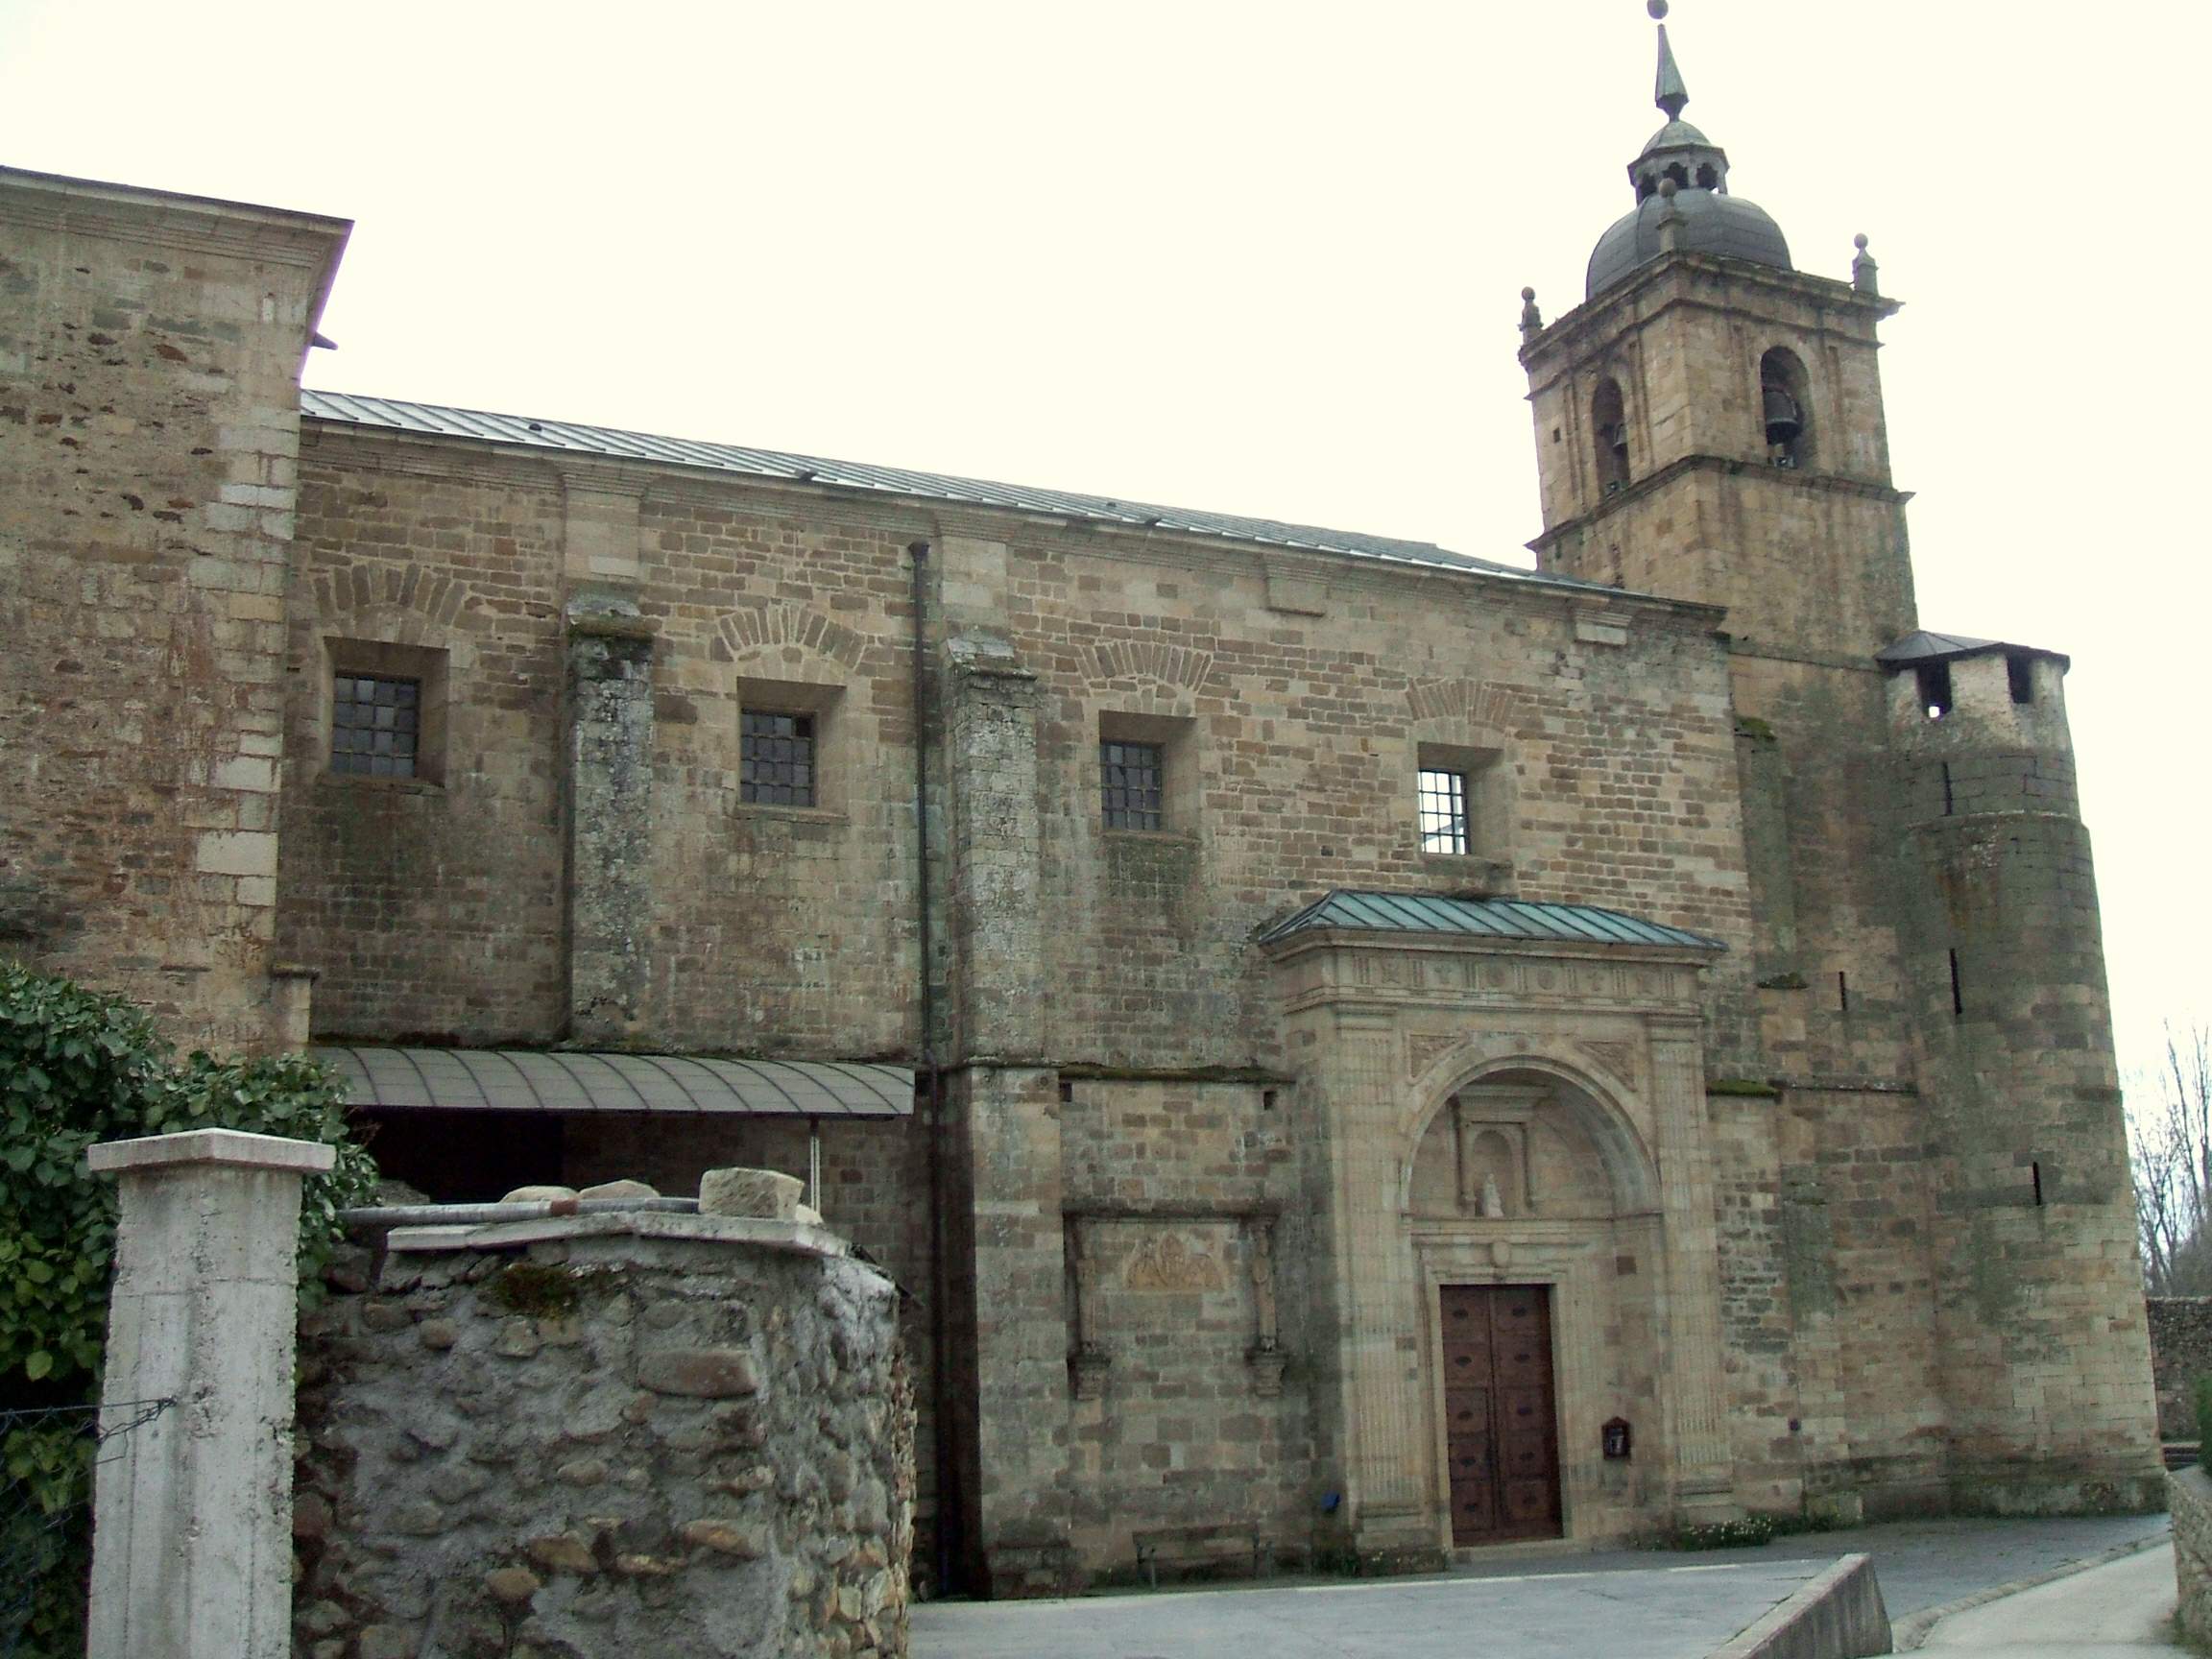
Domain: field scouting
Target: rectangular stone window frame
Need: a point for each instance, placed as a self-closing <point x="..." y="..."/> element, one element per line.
<point x="776" y="758"/>
<point x="1442" y="804"/>
<point x="821" y="705"/>
<point x="425" y="666"/>
<point x="1174" y="737"/>
<point x="1484" y="857"/>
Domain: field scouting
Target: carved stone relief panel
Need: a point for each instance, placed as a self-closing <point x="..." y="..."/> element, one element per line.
<point x="1224" y="1258"/>
<point x="1170" y="1260"/>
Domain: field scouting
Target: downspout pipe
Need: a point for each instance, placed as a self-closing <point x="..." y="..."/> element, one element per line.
<point x="932" y="1077"/>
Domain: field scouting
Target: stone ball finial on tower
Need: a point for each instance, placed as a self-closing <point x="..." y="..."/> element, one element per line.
<point x="1866" y="274"/>
<point x="1657" y="9"/>
<point x="1531" y="318"/>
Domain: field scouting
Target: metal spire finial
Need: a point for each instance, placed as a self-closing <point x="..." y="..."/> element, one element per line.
<point x="1670" y="94"/>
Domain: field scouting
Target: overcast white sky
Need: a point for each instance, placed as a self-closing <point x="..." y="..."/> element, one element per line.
<point x="1259" y="258"/>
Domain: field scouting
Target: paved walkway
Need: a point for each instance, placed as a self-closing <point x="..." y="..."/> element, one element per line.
<point x="2122" y="1610"/>
<point x="1626" y="1604"/>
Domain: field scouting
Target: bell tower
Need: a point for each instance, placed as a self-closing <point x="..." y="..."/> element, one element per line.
<point x="1709" y="420"/>
<point x="1928" y="977"/>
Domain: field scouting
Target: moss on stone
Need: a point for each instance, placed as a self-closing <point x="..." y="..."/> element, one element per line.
<point x="536" y="1290"/>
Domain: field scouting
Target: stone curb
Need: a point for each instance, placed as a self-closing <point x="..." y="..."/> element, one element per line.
<point x="1837" y="1614"/>
<point x="1913" y="1630"/>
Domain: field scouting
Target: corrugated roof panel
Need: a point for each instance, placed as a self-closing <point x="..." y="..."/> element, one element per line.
<point x="433" y="420"/>
<point x="1482" y="918"/>
<point x="532" y="1080"/>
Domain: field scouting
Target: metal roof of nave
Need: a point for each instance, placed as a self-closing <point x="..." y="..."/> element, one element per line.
<point x="430" y="420"/>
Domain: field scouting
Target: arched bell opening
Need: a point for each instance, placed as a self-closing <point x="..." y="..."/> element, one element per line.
<point x="1785" y="409"/>
<point x="1609" y="422"/>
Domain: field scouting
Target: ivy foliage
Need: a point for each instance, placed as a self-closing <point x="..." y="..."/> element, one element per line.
<point x="76" y="1068"/>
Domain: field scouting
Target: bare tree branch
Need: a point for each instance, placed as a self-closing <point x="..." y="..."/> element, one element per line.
<point x="2170" y="1156"/>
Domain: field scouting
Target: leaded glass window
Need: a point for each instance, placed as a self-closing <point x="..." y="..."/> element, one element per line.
<point x="776" y="758"/>
<point x="375" y="724"/>
<point x="1129" y="775"/>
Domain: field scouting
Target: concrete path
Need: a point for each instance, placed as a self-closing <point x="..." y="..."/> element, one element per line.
<point x="1672" y="1611"/>
<point x="2113" y="1611"/>
<point x="1625" y="1605"/>
<point x="2121" y="1610"/>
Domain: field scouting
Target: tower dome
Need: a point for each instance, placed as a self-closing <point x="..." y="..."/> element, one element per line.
<point x="1700" y="214"/>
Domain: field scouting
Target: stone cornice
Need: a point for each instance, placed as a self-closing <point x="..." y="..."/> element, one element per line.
<point x="1601" y="316"/>
<point x="1821" y="483"/>
<point x="345" y="443"/>
<point x="195" y="223"/>
<point x="1810" y="658"/>
<point x="1476" y="945"/>
<point x="1342" y="969"/>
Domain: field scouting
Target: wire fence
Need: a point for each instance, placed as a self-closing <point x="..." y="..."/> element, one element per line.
<point x="47" y="1457"/>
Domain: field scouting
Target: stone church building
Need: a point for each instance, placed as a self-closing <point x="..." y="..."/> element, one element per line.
<point x="1346" y="1042"/>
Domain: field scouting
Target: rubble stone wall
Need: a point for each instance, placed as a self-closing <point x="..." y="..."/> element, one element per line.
<point x="2190" y="1495"/>
<point x="641" y="1434"/>
<point x="2180" y="1353"/>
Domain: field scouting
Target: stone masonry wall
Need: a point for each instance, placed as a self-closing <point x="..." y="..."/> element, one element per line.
<point x="1826" y="1279"/>
<point x="636" y="1434"/>
<point x="2181" y="1354"/>
<point x="432" y="907"/>
<point x="1290" y="693"/>
<point x="1191" y="1386"/>
<point x="150" y="353"/>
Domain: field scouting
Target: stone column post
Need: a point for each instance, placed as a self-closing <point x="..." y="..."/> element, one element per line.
<point x="1385" y="1423"/>
<point x="1008" y="1117"/>
<point x="610" y="822"/>
<point x="192" y="1510"/>
<point x="1696" y="1393"/>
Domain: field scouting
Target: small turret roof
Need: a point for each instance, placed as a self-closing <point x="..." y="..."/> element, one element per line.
<point x="1925" y="646"/>
<point x="1673" y="135"/>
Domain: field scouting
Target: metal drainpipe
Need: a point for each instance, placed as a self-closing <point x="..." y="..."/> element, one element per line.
<point x="948" y="1517"/>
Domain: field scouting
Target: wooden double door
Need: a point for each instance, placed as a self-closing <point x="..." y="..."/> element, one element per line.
<point x="1501" y="1420"/>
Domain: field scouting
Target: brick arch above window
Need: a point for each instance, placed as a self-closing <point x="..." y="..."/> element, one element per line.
<point x="1479" y="704"/>
<point x="356" y="592"/>
<point x="754" y="630"/>
<point x="1183" y="667"/>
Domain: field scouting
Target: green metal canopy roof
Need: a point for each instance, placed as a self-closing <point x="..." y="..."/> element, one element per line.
<point x="1482" y="919"/>
<point x="526" y="1080"/>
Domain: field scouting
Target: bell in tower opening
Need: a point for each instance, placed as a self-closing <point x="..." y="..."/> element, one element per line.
<point x="1782" y="404"/>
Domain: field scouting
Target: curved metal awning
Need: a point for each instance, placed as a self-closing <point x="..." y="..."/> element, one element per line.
<point x="532" y="1080"/>
<point x="1482" y="919"/>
